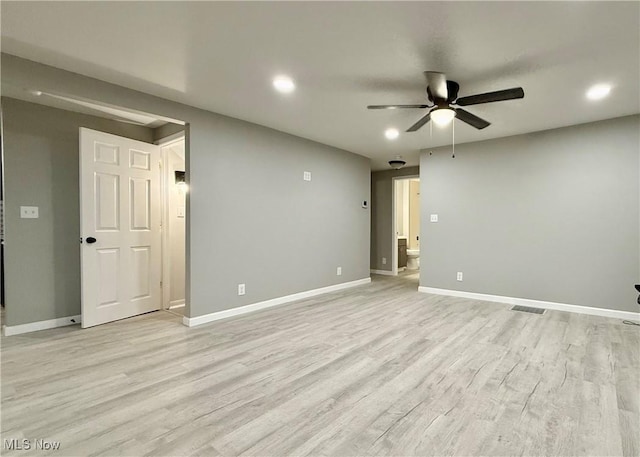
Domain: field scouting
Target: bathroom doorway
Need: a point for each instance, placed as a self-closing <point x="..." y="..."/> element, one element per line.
<point x="174" y="190"/>
<point x="406" y="225"/>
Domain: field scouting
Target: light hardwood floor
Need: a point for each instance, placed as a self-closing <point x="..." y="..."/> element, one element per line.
<point x="376" y="370"/>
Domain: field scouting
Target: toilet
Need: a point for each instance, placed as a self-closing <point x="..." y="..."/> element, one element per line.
<point x="413" y="259"/>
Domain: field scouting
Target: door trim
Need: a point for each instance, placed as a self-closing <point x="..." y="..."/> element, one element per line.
<point x="165" y="274"/>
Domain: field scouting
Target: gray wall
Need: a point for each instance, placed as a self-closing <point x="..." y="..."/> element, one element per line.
<point x="251" y="217"/>
<point x="41" y="169"/>
<point x="381" y="215"/>
<point x="550" y="216"/>
<point x="257" y="222"/>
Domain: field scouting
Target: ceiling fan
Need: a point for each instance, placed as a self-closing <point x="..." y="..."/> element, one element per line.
<point x="443" y="95"/>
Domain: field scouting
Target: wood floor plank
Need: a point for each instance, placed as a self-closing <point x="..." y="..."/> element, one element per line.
<point x="375" y="370"/>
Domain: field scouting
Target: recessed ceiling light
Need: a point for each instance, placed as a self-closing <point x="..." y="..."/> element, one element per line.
<point x="391" y="134"/>
<point x="284" y="84"/>
<point x="598" y="91"/>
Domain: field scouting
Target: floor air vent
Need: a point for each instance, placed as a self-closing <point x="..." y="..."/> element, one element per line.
<point x="528" y="309"/>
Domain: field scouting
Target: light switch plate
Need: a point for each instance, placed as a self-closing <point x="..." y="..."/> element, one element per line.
<point x="29" y="212"/>
<point x="307" y="176"/>
<point x="241" y="289"/>
<point x="434" y="218"/>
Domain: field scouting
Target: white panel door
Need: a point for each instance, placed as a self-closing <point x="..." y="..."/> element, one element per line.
<point x="119" y="226"/>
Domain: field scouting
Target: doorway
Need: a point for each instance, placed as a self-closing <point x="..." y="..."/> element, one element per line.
<point x="406" y="225"/>
<point x="133" y="212"/>
<point x="174" y="190"/>
<point x="43" y="228"/>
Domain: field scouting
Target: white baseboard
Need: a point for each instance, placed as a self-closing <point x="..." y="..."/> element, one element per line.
<point x="193" y="321"/>
<point x="176" y="304"/>
<point x="383" y="272"/>
<point x="535" y="303"/>
<point x="40" y="325"/>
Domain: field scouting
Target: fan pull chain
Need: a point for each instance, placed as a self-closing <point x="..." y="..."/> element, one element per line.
<point x="453" y="143"/>
<point x="431" y="136"/>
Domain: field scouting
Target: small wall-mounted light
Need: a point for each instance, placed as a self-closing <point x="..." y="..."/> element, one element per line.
<point x="181" y="181"/>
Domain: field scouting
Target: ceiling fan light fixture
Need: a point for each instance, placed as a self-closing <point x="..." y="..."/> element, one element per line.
<point x="442" y="116"/>
<point x="441" y="93"/>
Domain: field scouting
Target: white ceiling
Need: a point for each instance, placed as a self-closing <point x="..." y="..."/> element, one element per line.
<point x="222" y="56"/>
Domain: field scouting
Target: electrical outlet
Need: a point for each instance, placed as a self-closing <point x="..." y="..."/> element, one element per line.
<point x="339" y="271"/>
<point x="29" y="212"/>
<point x="459" y="276"/>
<point x="306" y="176"/>
<point x="384" y="261"/>
<point x="434" y="218"/>
<point x="241" y="289"/>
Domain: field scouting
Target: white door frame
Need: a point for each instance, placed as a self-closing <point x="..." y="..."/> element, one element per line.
<point x="394" y="228"/>
<point x="161" y="142"/>
<point x="165" y="183"/>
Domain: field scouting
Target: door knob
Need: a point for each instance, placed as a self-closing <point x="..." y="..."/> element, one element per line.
<point x="91" y="240"/>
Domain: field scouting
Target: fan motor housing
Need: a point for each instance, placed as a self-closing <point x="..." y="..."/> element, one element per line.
<point x="452" y="91"/>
